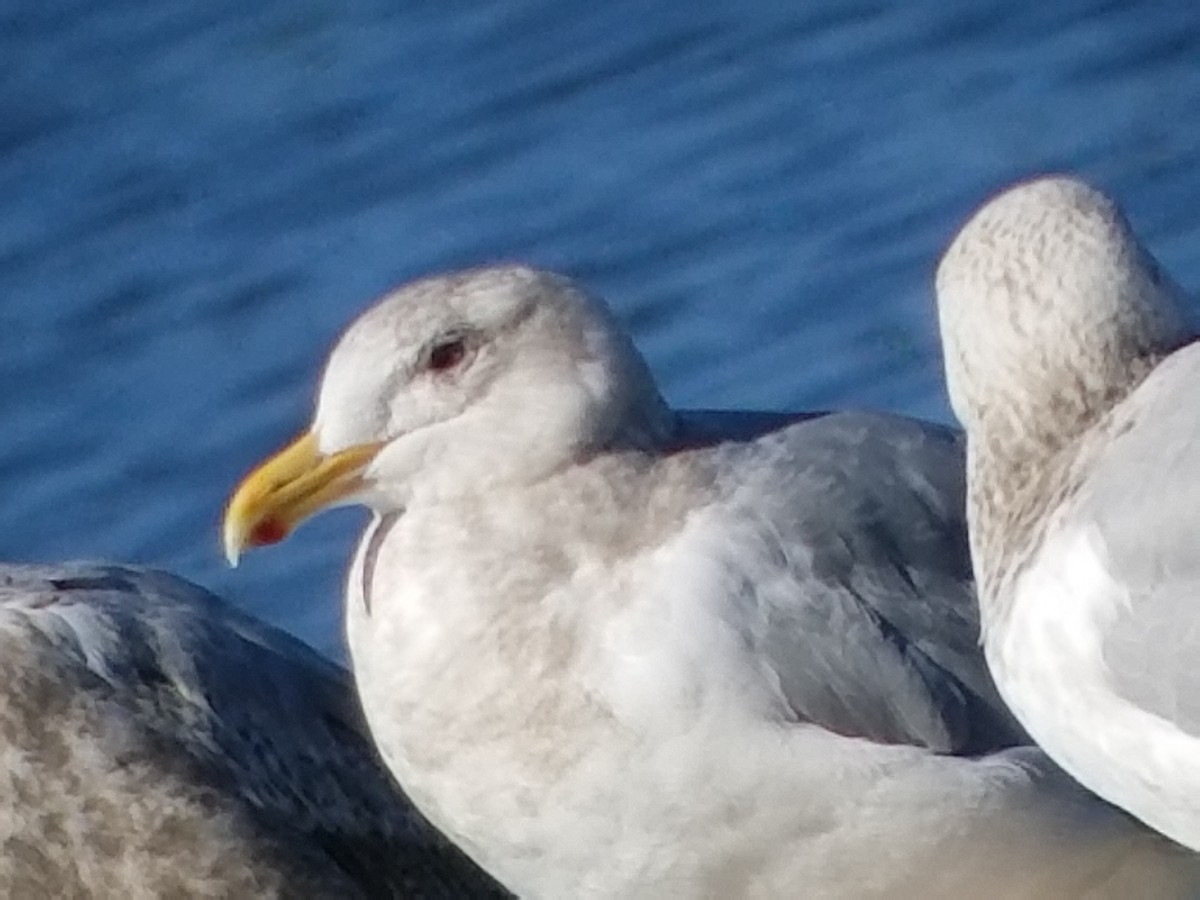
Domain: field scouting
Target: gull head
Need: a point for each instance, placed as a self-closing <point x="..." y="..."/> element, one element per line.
<point x="452" y="385"/>
<point x="1047" y="299"/>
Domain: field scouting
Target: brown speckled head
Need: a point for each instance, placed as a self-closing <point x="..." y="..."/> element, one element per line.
<point x="1051" y="312"/>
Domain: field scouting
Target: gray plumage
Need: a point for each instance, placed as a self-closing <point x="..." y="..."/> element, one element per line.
<point x="1142" y="473"/>
<point x="876" y="631"/>
<point x="155" y="742"/>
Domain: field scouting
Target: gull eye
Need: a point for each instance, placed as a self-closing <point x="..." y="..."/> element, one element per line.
<point x="447" y="355"/>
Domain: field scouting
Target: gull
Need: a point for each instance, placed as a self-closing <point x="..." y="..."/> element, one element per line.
<point x="155" y="742"/>
<point x="613" y="649"/>
<point x="1070" y="361"/>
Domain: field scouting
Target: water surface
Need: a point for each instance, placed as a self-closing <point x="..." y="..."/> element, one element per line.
<point x="196" y="198"/>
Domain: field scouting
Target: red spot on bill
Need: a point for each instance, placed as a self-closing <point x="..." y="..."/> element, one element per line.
<point x="268" y="531"/>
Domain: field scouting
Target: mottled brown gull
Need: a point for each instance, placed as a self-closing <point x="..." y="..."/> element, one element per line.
<point x="1070" y="361"/>
<point x="616" y="650"/>
<point x="154" y="742"/>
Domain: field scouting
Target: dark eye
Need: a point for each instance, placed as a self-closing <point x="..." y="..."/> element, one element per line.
<point x="447" y="354"/>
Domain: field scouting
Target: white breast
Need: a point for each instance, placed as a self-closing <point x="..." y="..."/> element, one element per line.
<point x="622" y="766"/>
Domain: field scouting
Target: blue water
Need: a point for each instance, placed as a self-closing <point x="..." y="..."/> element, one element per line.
<point x="196" y="197"/>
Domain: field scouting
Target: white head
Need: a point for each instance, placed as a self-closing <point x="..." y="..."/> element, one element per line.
<point x="1047" y="302"/>
<point x="453" y="385"/>
<point x="481" y="377"/>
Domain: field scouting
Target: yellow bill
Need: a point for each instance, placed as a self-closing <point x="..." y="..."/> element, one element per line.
<point x="292" y="485"/>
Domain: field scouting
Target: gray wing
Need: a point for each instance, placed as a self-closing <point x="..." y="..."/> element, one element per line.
<point x="1136" y="519"/>
<point x="155" y="734"/>
<point x="875" y="630"/>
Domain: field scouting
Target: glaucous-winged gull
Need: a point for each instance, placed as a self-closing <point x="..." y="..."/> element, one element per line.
<point x="616" y="650"/>
<point x="158" y="743"/>
<point x="1070" y="362"/>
